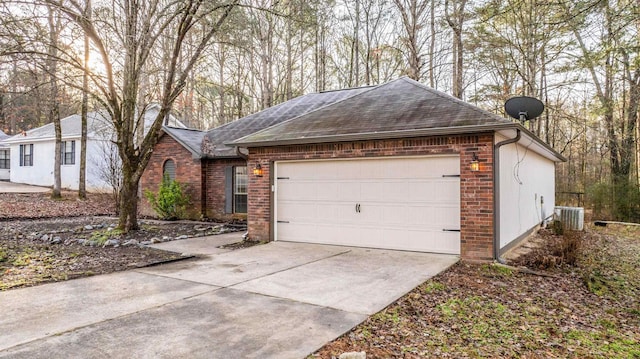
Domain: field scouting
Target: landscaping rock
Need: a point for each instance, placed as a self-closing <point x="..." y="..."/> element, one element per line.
<point x="353" y="355"/>
<point x="131" y="242"/>
<point x="88" y="227"/>
<point x="45" y="238"/>
<point x="56" y="240"/>
<point x="111" y="242"/>
<point x="182" y="237"/>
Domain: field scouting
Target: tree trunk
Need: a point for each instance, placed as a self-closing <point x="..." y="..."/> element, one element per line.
<point x="82" y="182"/>
<point x="432" y="44"/>
<point x="128" y="198"/>
<point x="54" y="109"/>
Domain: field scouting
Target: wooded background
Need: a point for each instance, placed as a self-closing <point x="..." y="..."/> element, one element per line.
<point x="581" y="58"/>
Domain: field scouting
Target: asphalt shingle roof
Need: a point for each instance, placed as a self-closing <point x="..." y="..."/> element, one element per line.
<point x="3" y="135"/>
<point x="215" y="139"/>
<point x="189" y="138"/>
<point x="399" y="105"/>
<point x="98" y="126"/>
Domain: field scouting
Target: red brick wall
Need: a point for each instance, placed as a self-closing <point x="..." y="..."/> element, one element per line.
<point x="214" y="187"/>
<point x="476" y="188"/>
<point x="188" y="172"/>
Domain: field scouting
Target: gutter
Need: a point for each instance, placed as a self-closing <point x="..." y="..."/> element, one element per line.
<point x="395" y="134"/>
<point x="241" y="155"/>
<point x="496" y="193"/>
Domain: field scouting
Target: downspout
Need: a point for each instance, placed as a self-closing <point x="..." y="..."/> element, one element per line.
<point x="496" y="193"/>
<point x="241" y="155"/>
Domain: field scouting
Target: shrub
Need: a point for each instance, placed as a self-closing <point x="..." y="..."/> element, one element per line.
<point x="170" y="201"/>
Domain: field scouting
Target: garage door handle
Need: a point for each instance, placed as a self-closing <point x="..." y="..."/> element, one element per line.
<point x="357" y="207"/>
<point x="450" y="230"/>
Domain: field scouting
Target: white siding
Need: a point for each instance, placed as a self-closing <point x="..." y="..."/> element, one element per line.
<point x="41" y="173"/>
<point x="525" y="179"/>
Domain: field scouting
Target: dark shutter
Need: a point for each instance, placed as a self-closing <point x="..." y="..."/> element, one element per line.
<point x="21" y="155"/>
<point x="73" y="152"/>
<point x="228" y="189"/>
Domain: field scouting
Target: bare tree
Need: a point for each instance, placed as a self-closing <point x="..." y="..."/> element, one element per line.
<point x="413" y="15"/>
<point x="455" y="18"/>
<point x="139" y="25"/>
<point x="82" y="179"/>
<point x="54" y="109"/>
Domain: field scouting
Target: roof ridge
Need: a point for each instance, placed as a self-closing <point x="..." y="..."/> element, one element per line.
<point x="184" y="129"/>
<point x="452" y="98"/>
<point x="255" y="113"/>
<point x="373" y="87"/>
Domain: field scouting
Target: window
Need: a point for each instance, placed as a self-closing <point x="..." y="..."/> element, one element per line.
<point x="68" y="152"/>
<point x="5" y="160"/>
<point x="240" y="180"/>
<point x="169" y="170"/>
<point x="26" y="155"/>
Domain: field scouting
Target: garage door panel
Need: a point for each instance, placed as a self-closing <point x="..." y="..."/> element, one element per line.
<point x="297" y="190"/>
<point x="298" y="210"/>
<point x="396" y="214"/>
<point x="424" y="241"/>
<point x="404" y="203"/>
<point x="328" y="191"/>
<point x="348" y="191"/>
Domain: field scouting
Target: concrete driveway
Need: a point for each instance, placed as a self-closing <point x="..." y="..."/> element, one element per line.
<point x="10" y="187"/>
<point x="278" y="300"/>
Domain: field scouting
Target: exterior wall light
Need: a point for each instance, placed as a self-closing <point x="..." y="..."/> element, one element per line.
<point x="257" y="170"/>
<point x="475" y="165"/>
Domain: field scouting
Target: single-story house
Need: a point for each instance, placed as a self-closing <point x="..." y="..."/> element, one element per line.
<point x="32" y="152"/>
<point x="5" y="159"/>
<point x="396" y="166"/>
<point x="215" y="175"/>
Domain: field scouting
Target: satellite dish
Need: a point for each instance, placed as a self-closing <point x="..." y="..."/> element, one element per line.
<point x="524" y="108"/>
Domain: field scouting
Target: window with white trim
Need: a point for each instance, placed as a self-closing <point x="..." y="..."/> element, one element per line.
<point x="68" y="152"/>
<point x="5" y="159"/>
<point x="240" y="182"/>
<point x="26" y="155"/>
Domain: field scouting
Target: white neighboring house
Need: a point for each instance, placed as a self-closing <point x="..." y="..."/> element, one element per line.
<point x="32" y="152"/>
<point x="5" y="160"/>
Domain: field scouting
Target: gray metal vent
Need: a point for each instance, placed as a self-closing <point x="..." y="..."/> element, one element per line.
<point x="572" y="218"/>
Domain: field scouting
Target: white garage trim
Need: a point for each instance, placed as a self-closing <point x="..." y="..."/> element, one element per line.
<point x="404" y="203"/>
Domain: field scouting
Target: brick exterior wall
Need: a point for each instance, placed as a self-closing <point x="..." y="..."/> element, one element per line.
<point x="214" y="188"/>
<point x="476" y="188"/>
<point x="188" y="172"/>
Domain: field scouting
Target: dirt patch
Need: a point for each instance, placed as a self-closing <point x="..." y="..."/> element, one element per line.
<point x="40" y="205"/>
<point x="587" y="310"/>
<point x="39" y="245"/>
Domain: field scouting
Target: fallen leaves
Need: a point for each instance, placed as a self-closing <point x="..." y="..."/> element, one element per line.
<point x="40" y="205"/>
<point x="484" y="310"/>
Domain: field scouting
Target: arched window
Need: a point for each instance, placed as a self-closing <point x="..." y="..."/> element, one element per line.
<point x="169" y="169"/>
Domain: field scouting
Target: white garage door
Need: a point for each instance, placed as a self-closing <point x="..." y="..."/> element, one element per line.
<point x="407" y="203"/>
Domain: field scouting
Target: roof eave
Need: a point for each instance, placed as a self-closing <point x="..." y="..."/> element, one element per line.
<point x="194" y="154"/>
<point x="439" y="131"/>
<point x="376" y="135"/>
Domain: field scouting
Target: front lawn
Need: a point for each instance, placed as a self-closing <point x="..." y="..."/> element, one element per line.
<point x="589" y="310"/>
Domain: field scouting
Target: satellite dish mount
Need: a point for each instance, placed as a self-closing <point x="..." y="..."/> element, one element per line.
<point x="524" y="108"/>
